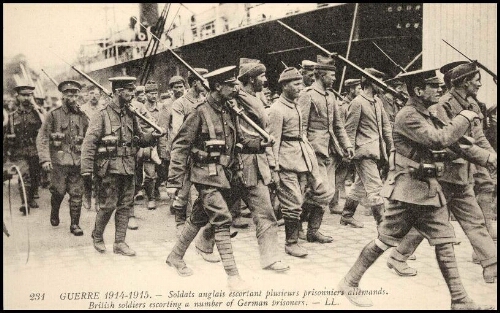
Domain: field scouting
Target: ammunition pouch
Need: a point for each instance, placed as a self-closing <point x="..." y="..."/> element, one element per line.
<point x="108" y="146"/>
<point x="56" y="140"/>
<point x="77" y="144"/>
<point x="439" y="155"/>
<point x="146" y="154"/>
<point x="428" y="172"/>
<point x="214" y="145"/>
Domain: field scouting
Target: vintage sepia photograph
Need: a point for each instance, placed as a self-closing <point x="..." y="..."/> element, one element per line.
<point x="238" y="156"/>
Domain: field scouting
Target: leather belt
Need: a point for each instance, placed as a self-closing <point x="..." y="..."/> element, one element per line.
<point x="287" y="138"/>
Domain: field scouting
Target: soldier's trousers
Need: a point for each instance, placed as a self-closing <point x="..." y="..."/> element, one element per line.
<point x="297" y="189"/>
<point x="461" y="201"/>
<point x="67" y="179"/>
<point x="258" y="200"/>
<point x="116" y="192"/>
<point x="212" y="207"/>
<point x="344" y="171"/>
<point x="484" y="188"/>
<point x="139" y="174"/>
<point x="150" y="177"/>
<point x="367" y="182"/>
<point x="35" y="172"/>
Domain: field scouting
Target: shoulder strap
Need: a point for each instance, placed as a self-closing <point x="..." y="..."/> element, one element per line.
<point x="208" y="120"/>
<point x="107" y="123"/>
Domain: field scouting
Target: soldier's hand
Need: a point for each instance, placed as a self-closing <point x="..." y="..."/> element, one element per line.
<point x="350" y="153"/>
<point x="47" y="166"/>
<point x="276" y="178"/>
<point x="157" y="134"/>
<point x="172" y="192"/>
<point x="492" y="162"/>
<point x="265" y="143"/>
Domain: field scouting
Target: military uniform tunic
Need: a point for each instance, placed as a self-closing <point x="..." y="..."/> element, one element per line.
<point x="295" y="160"/>
<point x="457" y="180"/>
<point x="25" y="123"/>
<point x="211" y="181"/>
<point x="66" y="159"/>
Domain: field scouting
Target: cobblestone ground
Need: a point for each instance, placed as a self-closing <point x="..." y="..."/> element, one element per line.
<point x="61" y="265"/>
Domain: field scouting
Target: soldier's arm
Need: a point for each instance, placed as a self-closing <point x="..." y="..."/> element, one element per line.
<point x="177" y="117"/>
<point x="387" y="130"/>
<point x="181" y="149"/>
<point x="90" y="141"/>
<point x="42" y="139"/>
<point x="305" y="104"/>
<point x="412" y="125"/>
<point x="339" y="127"/>
<point x="352" y="121"/>
<point x="163" y="118"/>
<point x="275" y="130"/>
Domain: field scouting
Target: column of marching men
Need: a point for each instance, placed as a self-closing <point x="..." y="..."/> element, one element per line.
<point x="415" y="165"/>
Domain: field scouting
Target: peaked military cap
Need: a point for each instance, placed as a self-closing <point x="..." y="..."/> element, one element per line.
<point x="308" y="65"/>
<point x="352" y="82"/>
<point x="140" y="89"/>
<point x="175" y="80"/>
<point x="69" y="85"/>
<point x="151" y="85"/>
<point x="199" y="70"/>
<point x="463" y="70"/>
<point x="290" y="73"/>
<point x="223" y="75"/>
<point x="250" y="68"/>
<point x="448" y="67"/>
<point x="122" y="82"/>
<point x="24" y="88"/>
<point x="426" y="76"/>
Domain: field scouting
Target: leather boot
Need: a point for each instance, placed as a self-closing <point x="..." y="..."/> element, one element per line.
<point x="378" y="213"/>
<point x="74" y="212"/>
<point x="132" y="223"/>
<point x="334" y="204"/>
<point x="348" y="214"/>
<point x="401" y="267"/>
<point x="205" y="244"/>
<point x="175" y="258"/>
<point x="292" y="236"/>
<point x="123" y="249"/>
<point x="35" y="193"/>
<point x="55" y="204"/>
<point x="468" y="304"/>
<point x="315" y="219"/>
<point x="101" y="220"/>
<point x="31" y="201"/>
<point x="236" y="283"/>
<point x="370" y="253"/>
<point x="490" y="274"/>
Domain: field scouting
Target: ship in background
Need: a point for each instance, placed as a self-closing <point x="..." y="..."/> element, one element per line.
<point x="221" y="35"/>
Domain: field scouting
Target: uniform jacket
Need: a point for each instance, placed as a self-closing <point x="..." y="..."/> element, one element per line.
<point x="323" y="121"/>
<point x="258" y="163"/>
<point x="25" y="124"/>
<point x="73" y="125"/>
<point x="91" y="110"/>
<point x="415" y="134"/>
<point x="368" y="128"/>
<point x="295" y="156"/>
<point x="390" y="107"/>
<point x="460" y="171"/>
<point x="174" y="117"/>
<point x="192" y="134"/>
<point x="122" y="124"/>
<point x="343" y="106"/>
<point x="165" y="122"/>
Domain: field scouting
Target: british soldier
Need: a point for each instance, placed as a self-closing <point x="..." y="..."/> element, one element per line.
<point x="59" y="145"/>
